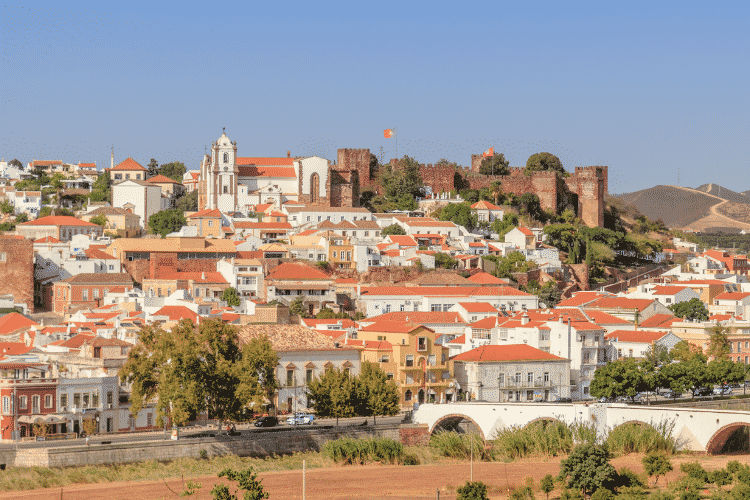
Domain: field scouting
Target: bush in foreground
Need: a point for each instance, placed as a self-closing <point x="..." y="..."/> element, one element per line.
<point x="361" y="451"/>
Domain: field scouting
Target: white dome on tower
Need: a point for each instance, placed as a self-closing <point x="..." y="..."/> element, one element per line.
<point x="224" y="141"/>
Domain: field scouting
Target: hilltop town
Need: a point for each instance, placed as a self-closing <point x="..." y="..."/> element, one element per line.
<point x="427" y="271"/>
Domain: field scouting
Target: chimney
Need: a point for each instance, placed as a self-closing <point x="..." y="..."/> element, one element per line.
<point x="203" y="275"/>
<point x="359" y="289"/>
<point x="524" y="319"/>
<point x="560" y="319"/>
<point x="288" y="154"/>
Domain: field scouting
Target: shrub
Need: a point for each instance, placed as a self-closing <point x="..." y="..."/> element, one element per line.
<point x="476" y="490"/>
<point x="458" y="445"/>
<point x="734" y="466"/>
<point x="656" y="464"/>
<point x="350" y="451"/>
<point x="546" y="438"/>
<point x="203" y="454"/>
<point x="638" y="438"/>
<point x="694" y="471"/>
<point x="603" y="494"/>
<point x="720" y="477"/>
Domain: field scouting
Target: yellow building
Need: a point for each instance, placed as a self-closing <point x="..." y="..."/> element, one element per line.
<point x="699" y="334"/>
<point x="340" y="251"/>
<point x="208" y="223"/>
<point x="420" y="367"/>
<point x="124" y="223"/>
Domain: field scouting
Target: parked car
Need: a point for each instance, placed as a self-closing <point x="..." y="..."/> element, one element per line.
<point x="669" y="393"/>
<point x="704" y="391"/>
<point x="266" y="422"/>
<point x="300" y="419"/>
<point x="724" y="390"/>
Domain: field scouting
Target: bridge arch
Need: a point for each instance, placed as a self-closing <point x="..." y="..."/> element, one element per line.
<point x="633" y="422"/>
<point x="544" y="419"/>
<point x="716" y="444"/>
<point x="451" y="423"/>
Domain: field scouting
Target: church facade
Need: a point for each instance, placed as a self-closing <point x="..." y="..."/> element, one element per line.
<point x="232" y="183"/>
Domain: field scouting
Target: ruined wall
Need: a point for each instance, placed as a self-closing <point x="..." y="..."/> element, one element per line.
<point x="439" y="177"/>
<point x="17" y="270"/>
<point x="166" y="263"/>
<point x="349" y="159"/>
<point x="589" y="184"/>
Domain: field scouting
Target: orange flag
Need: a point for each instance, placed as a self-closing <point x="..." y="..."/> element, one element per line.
<point x="489" y="152"/>
<point x="388" y="133"/>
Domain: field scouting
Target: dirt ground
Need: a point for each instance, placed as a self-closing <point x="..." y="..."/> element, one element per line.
<point x="369" y="482"/>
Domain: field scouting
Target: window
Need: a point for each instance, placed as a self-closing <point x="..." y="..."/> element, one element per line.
<point x="308" y="376"/>
<point x="407" y="395"/>
<point x="85" y="294"/>
<point x="211" y="223"/>
<point x="435" y="307"/>
<point x="48" y="401"/>
<point x="529" y="395"/>
<point x="35" y="401"/>
<point x="384" y="358"/>
<point x="431" y="360"/>
<point x="518" y="378"/>
<point x="95" y="399"/>
<point x="335" y="254"/>
<point x="110" y="397"/>
<point x="226" y="189"/>
<point x="127" y="176"/>
<point x="409" y="360"/>
<point x="63" y="400"/>
<point x="6" y="404"/>
<point x="630" y="353"/>
<point x="226" y="157"/>
<point x="77" y="400"/>
<point x="290" y="377"/>
<point x="388" y="308"/>
<point x="389" y="376"/>
<point x="546" y="377"/>
<point x="23" y="402"/>
<point x="530" y="378"/>
<point x="197" y="292"/>
<point x="86" y="400"/>
<point x="95" y="293"/>
<point x="149" y="419"/>
<point x="442" y="357"/>
<point x="422" y="344"/>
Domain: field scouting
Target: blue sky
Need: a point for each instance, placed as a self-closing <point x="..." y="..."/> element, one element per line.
<point x="646" y="88"/>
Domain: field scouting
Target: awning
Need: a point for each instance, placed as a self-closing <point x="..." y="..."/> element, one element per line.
<point x="52" y="418"/>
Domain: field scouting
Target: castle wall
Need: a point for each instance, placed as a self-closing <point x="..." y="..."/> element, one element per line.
<point x="349" y="159"/>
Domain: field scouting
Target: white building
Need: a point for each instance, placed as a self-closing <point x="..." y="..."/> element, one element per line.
<point x="140" y="197"/>
<point x="244" y="275"/>
<point x="636" y="344"/>
<point x="584" y="344"/>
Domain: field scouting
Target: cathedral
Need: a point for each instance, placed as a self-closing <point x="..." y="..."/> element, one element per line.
<point x="236" y="184"/>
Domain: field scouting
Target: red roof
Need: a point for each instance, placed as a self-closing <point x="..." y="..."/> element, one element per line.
<point x="526" y="231"/>
<point x="668" y="290"/>
<point x="14" y="348"/>
<point x="621" y="303"/>
<point x="499" y="353"/>
<point x="47" y="239"/>
<point x="209" y="212"/>
<point x="419" y="317"/>
<point x="347" y="281"/>
<point x="581" y="298"/>
<point x="198" y="277"/>
<point x="403" y="241"/>
<point x="635" y="336"/>
<point x="657" y="321"/>
<point x="162" y="179"/>
<point x="461" y="339"/>
<point x="484" y="205"/>
<point x="176" y="313"/>
<point x="95" y="253"/>
<point x="129" y="164"/>
<point x="297" y="272"/>
<point x="699" y="282"/>
<point x="264" y="171"/>
<point x="265" y="161"/>
<point x="389" y="326"/>
<point x="477" y="307"/>
<point x="313" y="322"/>
<point x="445" y="291"/>
<point x="262" y="225"/>
<point x="58" y="220"/>
<point x="487" y="323"/>
<point x="602" y="318"/>
<point x="308" y="232"/>
<point x="732" y="296"/>
<point x="14" y="321"/>
<point x="486" y="279"/>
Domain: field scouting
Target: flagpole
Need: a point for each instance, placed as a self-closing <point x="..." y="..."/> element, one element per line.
<point x="395" y="134"/>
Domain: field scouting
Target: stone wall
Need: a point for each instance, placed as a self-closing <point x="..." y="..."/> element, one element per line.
<point x="277" y="314"/>
<point x="280" y="441"/>
<point x="17" y="270"/>
<point x="166" y="263"/>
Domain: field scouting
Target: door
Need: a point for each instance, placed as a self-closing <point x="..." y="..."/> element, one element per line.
<point x="310" y="308"/>
<point x="77" y="426"/>
<point x="109" y="424"/>
<point x="420" y="396"/>
<point x="289" y="405"/>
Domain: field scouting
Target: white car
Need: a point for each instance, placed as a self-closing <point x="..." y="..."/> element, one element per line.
<point x="300" y="419"/>
<point x="723" y="391"/>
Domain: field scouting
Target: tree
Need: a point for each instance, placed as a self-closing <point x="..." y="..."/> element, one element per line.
<point x="494" y="165"/>
<point x="476" y="490"/>
<point x="460" y="214"/>
<point x="166" y="221"/>
<point x="445" y="261"/>
<point x="401" y="180"/>
<point x="724" y="371"/>
<point x="187" y="202"/>
<point x="393" y="229"/>
<point x="21" y="218"/>
<point x="15" y="163"/>
<point x="175" y="170"/>
<point x="101" y="220"/>
<point x="153" y="168"/>
<point x="333" y="394"/>
<point x="587" y="468"/>
<point x="6" y="207"/>
<point x="719" y="345"/>
<point x="657" y="355"/>
<point x="298" y="307"/>
<point x="623" y="377"/>
<point x="513" y="262"/>
<point x="690" y="309"/>
<point x="684" y="351"/>
<point x="696" y="373"/>
<point x="539" y="162"/>
<point x="189" y="370"/>
<point x="656" y="464"/>
<point x="407" y="202"/>
<point x="547" y="484"/>
<point x="550" y="295"/>
<point x="247" y="481"/>
<point x="375" y="393"/>
<point x="229" y="295"/>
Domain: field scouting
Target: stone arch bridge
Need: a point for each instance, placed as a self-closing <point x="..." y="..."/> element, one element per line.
<point x="695" y="429"/>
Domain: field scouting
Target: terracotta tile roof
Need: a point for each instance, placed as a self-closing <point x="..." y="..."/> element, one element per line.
<point x="461" y="339"/>
<point x="370" y="345"/>
<point x="444" y="291"/>
<point x="391" y="326"/>
<point x="403" y="241"/>
<point x="208" y="213"/>
<point x="526" y="231"/>
<point x="635" y="336"/>
<point x="500" y="353"/>
<point x="732" y="296"/>
<point x="477" y="244"/>
<point x="58" y="220"/>
<point x="621" y="303"/>
<point x="45" y="163"/>
<point x="477" y="307"/>
<point x="161" y="179"/>
<point x="668" y="290"/>
<point x="602" y="318"/>
<point x="176" y="313"/>
<point x="111" y="211"/>
<point x="484" y="205"/>
<point x="95" y="253"/>
<point x="296" y="272"/>
<point x="101" y="278"/>
<point x="419" y="317"/>
<point x="285" y="338"/>
<point x="583" y="326"/>
<point x="308" y="232"/>
<point x="441" y="278"/>
<point x="128" y="164"/>
<point x="263" y="225"/>
<point x="102" y="342"/>
<point x="74" y="342"/>
<point x="690" y="283"/>
<point x="346" y="281"/>
<point x="173" y="245"/>
<point x="265" y="161"/>
<point x="391" y="253"/>
<point x="87" y="166"/>
<point x="581" y="298"/>
<point x="14" y="348"/>
<point x="14" y="321"/>
<point x="428" y="223"/>
<point x="722" y="317"/>
<point x="47" y="239"/>
<point x="197" y="277"/>
<point x="267" y="171"/>
<point x="486" y="279"/>
<point x="250" y="254"/>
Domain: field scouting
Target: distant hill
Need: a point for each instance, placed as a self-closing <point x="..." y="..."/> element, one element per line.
<point x="706" y="208"/>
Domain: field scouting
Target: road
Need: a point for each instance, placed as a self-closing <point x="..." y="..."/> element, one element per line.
<point x="243" y="429"/>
